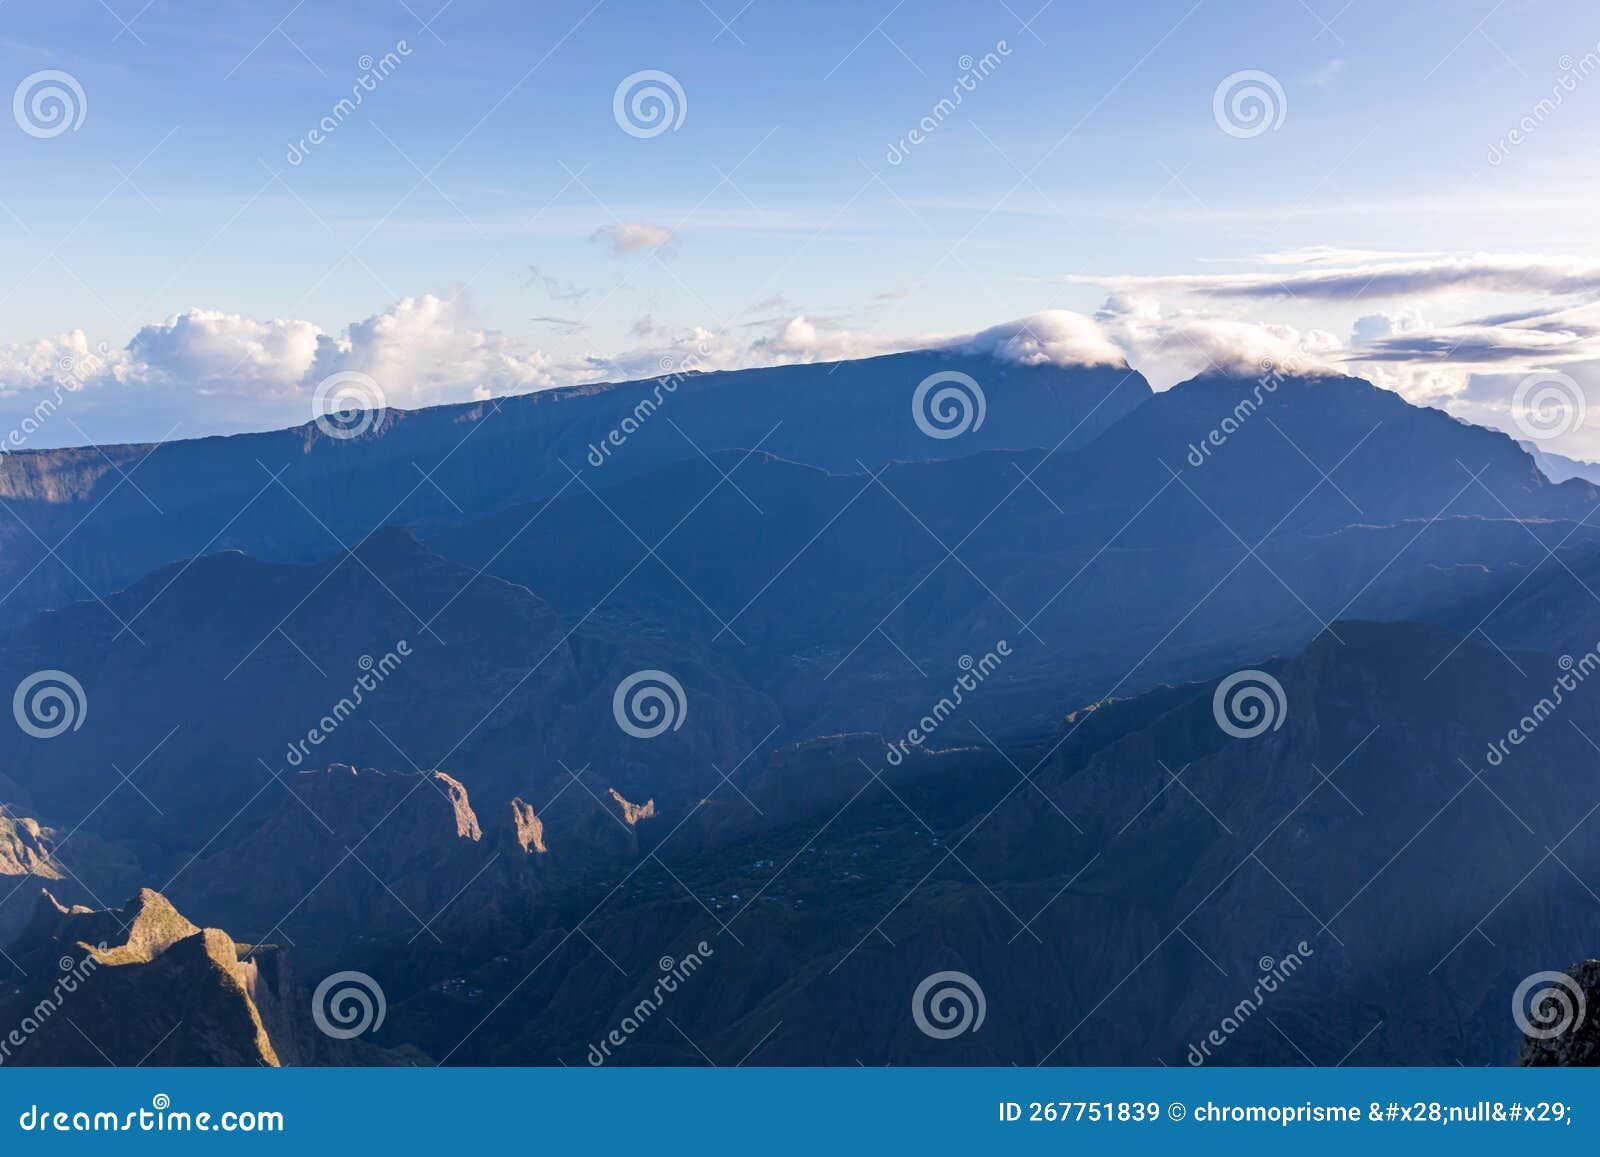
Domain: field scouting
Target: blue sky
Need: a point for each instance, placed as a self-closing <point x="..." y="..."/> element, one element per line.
<point x="486" y="226"/>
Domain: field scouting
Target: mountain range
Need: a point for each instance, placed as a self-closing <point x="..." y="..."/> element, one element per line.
<point x="517" y="709"/>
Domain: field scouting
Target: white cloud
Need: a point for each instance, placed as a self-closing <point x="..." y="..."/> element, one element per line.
<point x="1054" y="337"/>
<point x="1335" y="255"/>
<point x="1377" y="326"/>
<point x="635" y="237"/>
<point x="806" y="339"/>
<point x="64" y="360"/>
<point x="223" y="352"/>
<point x="697" y="351"/>
<point x="424" y="350"/>
<point x="1169" y="346"/>
<point x="219" y="372"/>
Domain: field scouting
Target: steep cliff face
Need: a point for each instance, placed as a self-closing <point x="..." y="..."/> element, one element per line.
<point x="379" y="851"/>
<point x="138" y="985"/>
<point x="143" y="985"/>
<point x="349" y="857"/>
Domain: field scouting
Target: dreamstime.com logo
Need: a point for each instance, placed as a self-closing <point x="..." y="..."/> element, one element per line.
<point x="1573" y="673"/>
<point x="1248" y="103"/>
<point x="1249" y="703"/>
<point x="647" y="703"/>
<point x="1548" y="1004"/>
<point x="347" y="404"/>
<point x="948" y="1004"/>
<point x="74" y="974"/>
<point x="1272" y="376"/>
<point x="1274" y="974"/>
<point x="373" y="73"/>
<point x="948" y="404"/>
<point x="1573" y="72"/>
<point x="347" y="1004"/>
<point x="648" y="103"/>
<point x="973" y="73"/>
<point x="1548" y="404"/>
<point x="72" y="372"/>
<point x="49" y="703"/>
<point x="160" y="1117"/>
<point x="974" y="672"/>
<point x="674" y="973"/>
<point x="673" y="373"/>
<point x="48" y="103"/>
<point x="373" y="673"/>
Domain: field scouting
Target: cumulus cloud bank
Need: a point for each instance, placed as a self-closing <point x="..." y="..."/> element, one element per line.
<point x="206" y="371"/>
<point x="213" y="371"/>
<point x="1055" y="337"/>
<point x="220" y="372"/>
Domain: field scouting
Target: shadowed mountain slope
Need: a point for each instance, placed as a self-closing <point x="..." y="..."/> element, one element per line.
<point x="89" y="521"/>
<point x="1116" y="894"/>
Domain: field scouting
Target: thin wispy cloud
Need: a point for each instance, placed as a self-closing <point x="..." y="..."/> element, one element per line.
<point x="1499" y="273"/>
<point x="1326" y="75"/>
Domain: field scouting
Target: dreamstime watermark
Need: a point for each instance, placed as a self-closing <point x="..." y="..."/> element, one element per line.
<point x="973" y="73"/>
<point x="71" y="373"/>
<point x="1248" y="103"/>
<point x="648" y="103"/>
<point x="347" y="404"/>
<point x="1266" y="385"/>
<point x="375" y="672"/>
<point x="1273" y="974"/>
<point x="160" y="1117"/>
<point x="673" y="375"/>
<point x="1248" y="703"/>
<point x="648" y="703"/>
<point x="373" y="73"/>
<point x="48" y="703"/>
<point x="948" y="1004"/>
<point x="74" y="973"/>
<point x="1576" y="672"/>
<point x="1573" y="72"/>
<point x="49" y="103"/>
<point x="1273" y="373"/>
<point x="1548" y="1004"/>
<point x="673" y="974"/>
<point x="948" y="404"/>
<point x="1548" y="404"/>
<point x="347" y="1004"/>
<point x="976" y="671"/>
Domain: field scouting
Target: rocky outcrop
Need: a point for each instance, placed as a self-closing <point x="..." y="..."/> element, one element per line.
<point x="25" y="848"/>
<point x="632" y="813"/>
<point x="75" y="865"/>
<point x="527" y="828"/>
<point x="138" y="985"/>
<point x="382" y="852"/>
